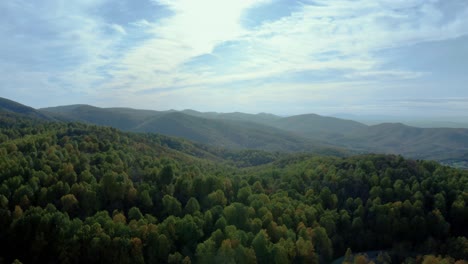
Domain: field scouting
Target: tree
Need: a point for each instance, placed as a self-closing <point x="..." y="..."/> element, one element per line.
<point x="137" y="250"/>
<point x="18" y="212"/>
<point x="323" y="244"/>
<point x="192" y="206"/>
<point x="305" y="251"/>
<point x="113" y="186"/>
<point x="243" y="194"/>
<point x="236" y="214"/>
<point x="188" y="232"/>
<point x="69" y="203"/>
<point x="437" y="224"/>
<point x="119" y="218"/>
<point x="167" y="175"/>
<point x="329" y="200"/>
<point x="145" y="200"/>
<point x="262" y="246"/>
<point x="175" y="258"/>
<point x="134" y="214"/>
<point x="206" y="251"/>
<point x="348" y="258"/>
<point x="68" y="174"/>
<point x="171" y="206"/>
<point x="439" y="202"/>
<point x="383" y="258"/>
<point x="226" y="253"/>
<point x="164" y="246"/>
<point x="216" y="198"/>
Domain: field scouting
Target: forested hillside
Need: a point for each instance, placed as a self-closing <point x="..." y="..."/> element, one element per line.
<point x="12" y="107"/>
<point x="232" y="134"/>
<point x="76" y="193"/>
<point x="221" y="130"/>
<point x="300" y="133"/>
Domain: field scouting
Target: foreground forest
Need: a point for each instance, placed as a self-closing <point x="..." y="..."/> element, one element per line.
<point x="77" y="193"/>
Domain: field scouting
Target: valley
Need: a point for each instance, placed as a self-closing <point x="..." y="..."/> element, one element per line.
<point x="77" y="192"/>
<point x="301" y="133"/>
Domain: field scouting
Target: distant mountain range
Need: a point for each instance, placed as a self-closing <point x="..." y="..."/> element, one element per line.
<point x="416" y="121"/>
<point x="234" y="130"/>
<point x="300" y="133"/>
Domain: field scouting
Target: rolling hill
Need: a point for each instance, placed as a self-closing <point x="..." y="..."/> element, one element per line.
<point x="226" y="133"/>
<point x="121" y="118"/>
<point x="234" y="130"/>
<point x="262" y="118"/>
<point x="9" y="106"/>
<point x="79" y="193"/>
<point x="301" y="133"/>
<point x="420" y="143"/>
<point x="318" y="127"/>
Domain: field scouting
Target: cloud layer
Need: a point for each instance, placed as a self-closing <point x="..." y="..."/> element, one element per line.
<point x="275" y="56"/>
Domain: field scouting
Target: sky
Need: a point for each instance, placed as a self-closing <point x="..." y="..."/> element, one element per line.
<point x="359" y="57"/>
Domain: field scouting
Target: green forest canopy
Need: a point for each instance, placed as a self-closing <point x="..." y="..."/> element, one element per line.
<point x="75" y="193"/>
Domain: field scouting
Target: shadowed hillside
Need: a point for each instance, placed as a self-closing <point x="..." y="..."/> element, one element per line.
<point x="224" y="133"/>
<point x="235" y="130"/>
<point x="308" y="132"/>
<point x="318" y="127"/>
<point x="420" y="143"/>
<point x="17" y="108"/>
<point x="121" y="118"/>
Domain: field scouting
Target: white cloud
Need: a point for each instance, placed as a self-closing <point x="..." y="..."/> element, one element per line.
<point x="143" y="23"/>
<point x="351" y="31"/>
<point x="119" y="29"/>
<point x="339" y="35"/>
<point x="389" y="74"/>
<point x="60" y="43"/>
<point x="284" y="98"/>
<point x="195" y="29"/>
<point x="202" y="24"/>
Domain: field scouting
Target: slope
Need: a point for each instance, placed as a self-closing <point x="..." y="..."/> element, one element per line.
<point x="232" y="130"/>
<point x="318" y="127"/>
<point x="78" y="193"/>
<point x="121" y="118"/>
<point x="10" y="106"/>
<point x="296" y="133"/>
<point x="227" y="133"/>
<point x="421" y="143"/>
<point x="447" y="145"/>
<point x="261" y="118"/>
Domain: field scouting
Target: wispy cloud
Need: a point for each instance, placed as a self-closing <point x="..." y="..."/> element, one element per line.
<point x="204" y="49"/>
<point x="322" y="35"/>
<point x="119" y="29"/>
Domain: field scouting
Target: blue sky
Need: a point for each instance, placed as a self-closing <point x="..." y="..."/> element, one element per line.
<point x="365" y="57"/>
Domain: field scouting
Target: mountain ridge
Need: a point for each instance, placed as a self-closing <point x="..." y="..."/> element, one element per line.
<point x="10" y="106"/>
<point x="300" y="133"/>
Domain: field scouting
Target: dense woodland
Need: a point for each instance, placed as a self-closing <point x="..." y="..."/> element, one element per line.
<point x="76" y="193"/>
<point x="307" y="132"/>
